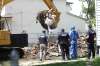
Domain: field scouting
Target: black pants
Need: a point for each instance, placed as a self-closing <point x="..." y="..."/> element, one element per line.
<point x="65" y="51"/>
<point x="91" y="50"/>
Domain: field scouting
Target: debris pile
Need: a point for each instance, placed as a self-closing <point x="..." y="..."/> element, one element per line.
<point x="33" y="52"/>
<point x="82" y="46"/>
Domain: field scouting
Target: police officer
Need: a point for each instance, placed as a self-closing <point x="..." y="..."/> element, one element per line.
<point x="63" y="40"/>
<point x="43" y="45"/>
<point x="90" y="40"/>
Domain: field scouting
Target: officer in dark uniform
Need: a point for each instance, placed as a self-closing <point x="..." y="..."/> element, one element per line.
<point x="63" y="40"/>
<point x="43" y="40"/>
<point x="91" y="34"/>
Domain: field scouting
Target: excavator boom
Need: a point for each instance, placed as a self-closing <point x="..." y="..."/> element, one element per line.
<point x="42" y="15"/>
<point x="4" y="2"/>
<point x="50" y="5"/>
<point x="9" y="40"/>
<point x="4" y="35"/>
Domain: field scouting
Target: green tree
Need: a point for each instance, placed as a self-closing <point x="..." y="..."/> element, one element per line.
<point x="88" y="8"/>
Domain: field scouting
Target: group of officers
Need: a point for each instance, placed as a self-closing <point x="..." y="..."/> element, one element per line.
<point x="68" y="43"/>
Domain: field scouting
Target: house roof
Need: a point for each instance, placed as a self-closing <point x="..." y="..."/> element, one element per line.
<point x="76" y="16"/>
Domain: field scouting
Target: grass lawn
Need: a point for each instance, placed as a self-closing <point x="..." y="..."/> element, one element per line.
<point x="95" y="62"/>
<point x="78" y="63"/>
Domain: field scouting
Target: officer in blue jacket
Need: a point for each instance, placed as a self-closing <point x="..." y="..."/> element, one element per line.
<point x="73" y="42"/>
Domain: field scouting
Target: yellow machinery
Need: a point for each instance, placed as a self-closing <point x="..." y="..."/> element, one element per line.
<point x="55" y="12"/>
<point x="41" y="17"/>
<point x="12" y="40"/>
<point x="5" y="38"/>
<point x="5" y="35"/>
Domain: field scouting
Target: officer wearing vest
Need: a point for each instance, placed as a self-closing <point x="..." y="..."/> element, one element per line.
<point x="63" y="40"/>
<point x="90" y="40"/>
<point x="43" y="45"/>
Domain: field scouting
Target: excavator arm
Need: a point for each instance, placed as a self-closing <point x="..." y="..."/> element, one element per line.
<point x="55" y="12"/>
<point x="50" y="4"/>
<point x="4" y="35"/>
<point x="4" y="2"/>
<point x="42" y="15"/>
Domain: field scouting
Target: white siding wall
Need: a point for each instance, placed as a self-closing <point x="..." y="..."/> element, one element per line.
<point x="98" y="22"/>
<point x="25" y="11"/>
<point x="68" y="21"/>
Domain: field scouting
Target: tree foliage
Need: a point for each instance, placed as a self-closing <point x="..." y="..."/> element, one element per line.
<point x="88" y="8"/>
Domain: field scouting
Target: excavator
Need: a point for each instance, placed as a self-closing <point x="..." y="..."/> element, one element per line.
<point x="9" y="41"/>
<point x="42" y="15"/>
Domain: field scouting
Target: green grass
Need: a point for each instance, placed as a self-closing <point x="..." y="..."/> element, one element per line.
<point x="96" y="62"/>
<point x="78" y="63"/>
